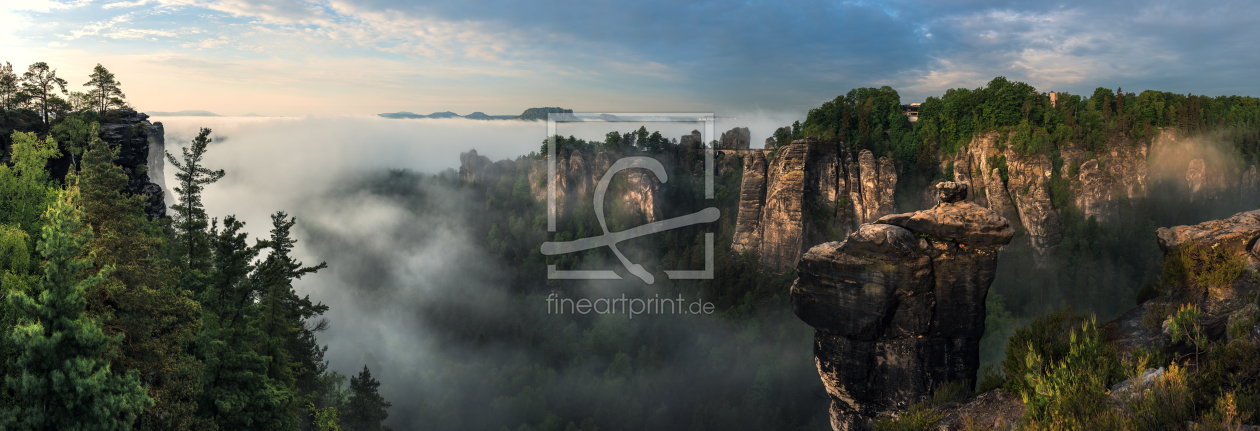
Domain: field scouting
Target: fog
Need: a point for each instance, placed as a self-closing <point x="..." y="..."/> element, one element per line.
<point x="403" y="266"/>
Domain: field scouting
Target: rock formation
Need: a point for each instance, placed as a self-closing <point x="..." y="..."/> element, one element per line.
<point x="735" y="139"/>
<point x="140" y="143"/>
<point x="695" y="139"/>
<point x="898" y="307"/>
<point x="1238" y="236"/>
<point x="1017" y="185"/>
<point x="810" y="188"/>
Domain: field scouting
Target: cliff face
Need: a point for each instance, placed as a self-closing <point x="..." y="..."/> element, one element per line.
<point x="898" y="307"/>
<point x="1096" y="182"/>
<point x="140" y="143"/>
<point x="576" y="178"/>
<point x="809" y="189"/>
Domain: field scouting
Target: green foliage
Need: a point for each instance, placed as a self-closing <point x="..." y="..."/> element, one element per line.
<point x="1187" y="326"/>
<point x="919" y="417"/>
<point x="40" y="83"/>
<point x="1196" y="268"/>
<point x="991" y="378"/>
<point x="63" y="378"/>
<point x="1073" y="387"/>
<point x="1164" y="403"/>
<point x="1228" y="368"/>
<point x="105" y="91"/>
<point x="24" y="187"/>
<point x="286" y="319"/>
<point x="239" y="392"/>
<point x="74" y="134"/>
<point x="366" y="408"/>
<point x="325" y="419"/>
<point x="140" y="300"/>
<point x="190" y="220"/>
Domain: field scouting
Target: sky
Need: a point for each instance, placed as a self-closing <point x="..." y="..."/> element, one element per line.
<point x="338" y="57"/>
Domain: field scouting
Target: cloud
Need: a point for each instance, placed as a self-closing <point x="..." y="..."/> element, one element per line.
<point x="692" y="55"/>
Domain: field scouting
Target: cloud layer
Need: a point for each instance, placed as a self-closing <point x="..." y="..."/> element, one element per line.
<point x="367" y="56"/>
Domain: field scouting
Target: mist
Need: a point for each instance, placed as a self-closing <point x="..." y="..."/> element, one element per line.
<point x="415" y="296"/>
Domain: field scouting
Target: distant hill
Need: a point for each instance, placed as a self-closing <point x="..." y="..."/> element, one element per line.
<point x="189" y="113"/>
<point x="540" y="114"/>
<point x="482" y="116"/>
<point x="251" y="114"/>
<point x="532" y="114"/>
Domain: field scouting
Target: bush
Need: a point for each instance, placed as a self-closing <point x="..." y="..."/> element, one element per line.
<point x="1049" y="336"/>
<point x="919" y="417"/>
<point x="1164" y="403"/>
<point x="1187" y="325"/>
<point x="1074" y="388"/>
<point x="1194" y="267"/>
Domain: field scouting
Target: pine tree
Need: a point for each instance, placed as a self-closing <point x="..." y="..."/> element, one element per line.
<point x="191" y="243"/>
<point x="9" y="86"/>
<point x="238" y="393"/>
<point x="366" y="408"/>
<point x="64" y="377"/>
<point x="41" y="83"/>
<point x="106" y="91"/>
<point x="140" y="298"/>
<point x="286" y="318"/>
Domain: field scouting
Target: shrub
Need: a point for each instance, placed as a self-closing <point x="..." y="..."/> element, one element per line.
<point x="1187" y="325"/>
<point x="951" y="392"/>
<point x="1164" y="403"/>
<point x="1195" y="267"/>
<point x="1048" y="335"/>
<point x="919" y="417"/>
<point x="1074" y="388"/>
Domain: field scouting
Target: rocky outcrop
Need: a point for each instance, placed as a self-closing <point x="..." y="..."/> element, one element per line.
<point x="472" y="167"/>
<point x="141" y="154"/>
<point x="735" y="139"/>
<point x="811" y="189"/>
<point x="695" y="139"/>
<point x="898" y="307"/>
<point x="752" y="198"/>
<point x="1224" y="303"/>
<point x="1236" y="237"/>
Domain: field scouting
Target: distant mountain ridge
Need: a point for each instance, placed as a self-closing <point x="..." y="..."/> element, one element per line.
<point x="186" y="113"/>
<point x="532" y="114"/>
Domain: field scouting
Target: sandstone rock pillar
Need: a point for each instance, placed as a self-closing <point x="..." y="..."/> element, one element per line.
<point x="898" y="307"/>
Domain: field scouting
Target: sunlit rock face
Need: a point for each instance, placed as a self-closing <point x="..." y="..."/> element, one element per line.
<point x="898" y="306"/>
<point x="1237" y="237"/>
<point x="139" y="143"/>
<point x="809" y="192"/>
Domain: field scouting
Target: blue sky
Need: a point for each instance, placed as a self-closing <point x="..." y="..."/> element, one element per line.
<point x="298" y="57"/>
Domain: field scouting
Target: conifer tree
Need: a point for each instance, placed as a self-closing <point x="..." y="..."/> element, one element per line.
<point x="140" y="299"/>
<point x="64" y="377"/>
<point x="9" y="86"/>
<point x="41" y="83"/>
<point x="192" y="246"/>
<point x="286" y="318"/>
<point x="366" y="408"/>
<point x="238" y="393"/>
<point x="106" y="92"/>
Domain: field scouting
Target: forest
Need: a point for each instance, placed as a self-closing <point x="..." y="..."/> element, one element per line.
<point x="114" y="320"/>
